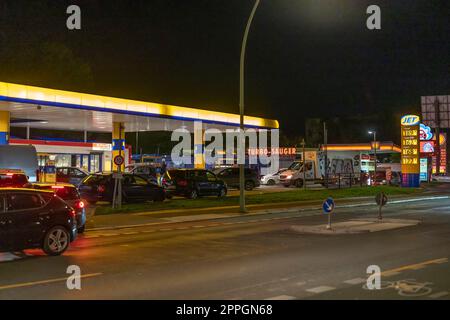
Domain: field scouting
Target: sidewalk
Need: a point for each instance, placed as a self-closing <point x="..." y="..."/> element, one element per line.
<point x="117" y="221"/>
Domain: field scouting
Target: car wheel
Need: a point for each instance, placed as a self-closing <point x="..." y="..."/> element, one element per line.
<point x="193" y="194"/>
<point x="249" y="185"/>
<point x="271" y="182"/>
<point x="298" y="183"/>
<point x="222" y="192"/>
<point x="82" y="229"/>
<point x="56" y="241"/>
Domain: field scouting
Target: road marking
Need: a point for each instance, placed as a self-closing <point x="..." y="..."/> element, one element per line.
<point x="35" y="283"/>
<point x="355" y="281"/>
<point x="282" y="297"/>
<point x="320" y="289"/>
<point x="413" y="266"/>
<point x="438" y="294"/>
<point x="390" y="273"/>
<point x="132" y="232"/>
<point x="8" y="256"/>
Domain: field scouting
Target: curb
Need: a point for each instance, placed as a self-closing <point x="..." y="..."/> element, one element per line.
<point x="274" y="211"/>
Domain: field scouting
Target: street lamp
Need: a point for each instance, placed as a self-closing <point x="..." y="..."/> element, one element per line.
<point x="241" y="111"/>
<point x="374" y="133"/>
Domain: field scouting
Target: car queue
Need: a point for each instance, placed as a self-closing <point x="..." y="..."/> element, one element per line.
<point x="50" y="215"/>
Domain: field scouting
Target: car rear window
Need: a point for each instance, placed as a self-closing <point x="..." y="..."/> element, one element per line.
<point x="64" y="192"/>
<point x="11" y="180"/>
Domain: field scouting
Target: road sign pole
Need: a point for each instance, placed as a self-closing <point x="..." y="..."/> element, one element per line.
<point x="329" y="222"/>
<point x="328" y="208"/>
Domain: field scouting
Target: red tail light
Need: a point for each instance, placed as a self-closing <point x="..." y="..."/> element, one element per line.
<point x="101" y="188"/>
<point x="80" y="205"/>
<point x="182" y="183"/>
<point x="73" y="214"/>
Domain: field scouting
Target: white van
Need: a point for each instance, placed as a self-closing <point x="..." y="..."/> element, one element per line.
<point x="20" y="157"/>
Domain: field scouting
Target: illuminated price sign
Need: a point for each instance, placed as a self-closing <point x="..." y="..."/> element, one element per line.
<point x="410" y="144"/>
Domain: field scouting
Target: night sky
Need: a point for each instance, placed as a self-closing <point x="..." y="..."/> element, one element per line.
<point x="306" y="58"/>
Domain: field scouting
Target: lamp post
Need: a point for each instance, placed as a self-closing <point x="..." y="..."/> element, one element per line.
<point x="374" y="133"/>
<point x="241" y="111"/>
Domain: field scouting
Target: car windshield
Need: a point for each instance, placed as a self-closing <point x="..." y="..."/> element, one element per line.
<point x="296" y="166"/>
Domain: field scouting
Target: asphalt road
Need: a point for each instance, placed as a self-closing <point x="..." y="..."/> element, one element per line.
<point x="254" y="257"/>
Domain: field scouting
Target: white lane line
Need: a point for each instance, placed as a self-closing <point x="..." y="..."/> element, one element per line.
<point x="282" y="297"/>
<point x="165" y="229"/>
<point x="41" y="282"/>
<point x="133" y="232"/>
<point x="198" y="226"/>
<point x="109" y="234"/>
<point x="438" y="294"/>
<point x="320" y="289"/>
<point x="8" y="256"/>
<point x="355" y="281"/>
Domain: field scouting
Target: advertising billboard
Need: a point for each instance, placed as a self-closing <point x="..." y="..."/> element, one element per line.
<point x="410" y="133"/>
<point x="436" y="110"/>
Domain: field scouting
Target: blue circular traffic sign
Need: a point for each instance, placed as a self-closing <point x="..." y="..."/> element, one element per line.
<point x="328" y="205"/>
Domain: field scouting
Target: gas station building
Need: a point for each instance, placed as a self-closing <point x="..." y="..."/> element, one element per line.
<point x="41" y="108"/>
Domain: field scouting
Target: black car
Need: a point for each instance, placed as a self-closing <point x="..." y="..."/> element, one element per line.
<point x="35" y="219"/>
<point x="100" y="187"/>
<point x="147" y="171"/>
<point x="71" y="175"/>
<point x="69" y="193"/>
<point x="192" y="183"/>
<point x="231" y="177"/>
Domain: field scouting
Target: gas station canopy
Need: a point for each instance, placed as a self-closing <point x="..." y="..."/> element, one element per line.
<point x="64" y="110"/>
